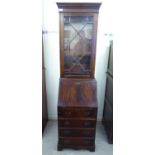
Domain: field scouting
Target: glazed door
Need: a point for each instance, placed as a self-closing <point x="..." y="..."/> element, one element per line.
<point x="77" y="52"/>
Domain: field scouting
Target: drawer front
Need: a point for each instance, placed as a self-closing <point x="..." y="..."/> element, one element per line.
<point x="77" y="113"/>
<point x="77" y="141"/>
<point x="76" y="132"/>
<point x="77" y="123"/>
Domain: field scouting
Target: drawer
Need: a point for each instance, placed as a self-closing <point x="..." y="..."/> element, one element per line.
<point x="65" y="132"/>
<point x="77" y="123"/>
<point x="77" y="141"/>
<point x="77" y="112"/>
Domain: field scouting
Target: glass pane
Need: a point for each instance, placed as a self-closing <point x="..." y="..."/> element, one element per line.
<point x="77" y="44"/>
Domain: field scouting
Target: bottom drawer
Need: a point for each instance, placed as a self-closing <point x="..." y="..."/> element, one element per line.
<point x="77" y="141"/>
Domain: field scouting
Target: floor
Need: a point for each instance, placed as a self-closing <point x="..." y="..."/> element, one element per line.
<point x="50" y="137"/>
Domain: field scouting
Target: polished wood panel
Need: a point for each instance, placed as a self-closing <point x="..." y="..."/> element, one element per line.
<point x="74" y="7"/>
<point x="77" y="92"/>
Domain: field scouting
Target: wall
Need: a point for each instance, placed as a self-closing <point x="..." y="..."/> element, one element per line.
<point x="51" y="51"/>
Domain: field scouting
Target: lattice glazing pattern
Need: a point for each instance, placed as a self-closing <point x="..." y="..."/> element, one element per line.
<point x="77" y="44"/>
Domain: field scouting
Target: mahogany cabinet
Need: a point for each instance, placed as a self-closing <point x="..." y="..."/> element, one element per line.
<point x="77" y="112"/>
<point x="108" y="103"/>
<point x="77" y="103"/>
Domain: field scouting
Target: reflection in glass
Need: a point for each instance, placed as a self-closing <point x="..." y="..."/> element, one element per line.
<point x="77" y="44"/>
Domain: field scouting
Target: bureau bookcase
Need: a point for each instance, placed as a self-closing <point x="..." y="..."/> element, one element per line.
<point x="77" y="102"/>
